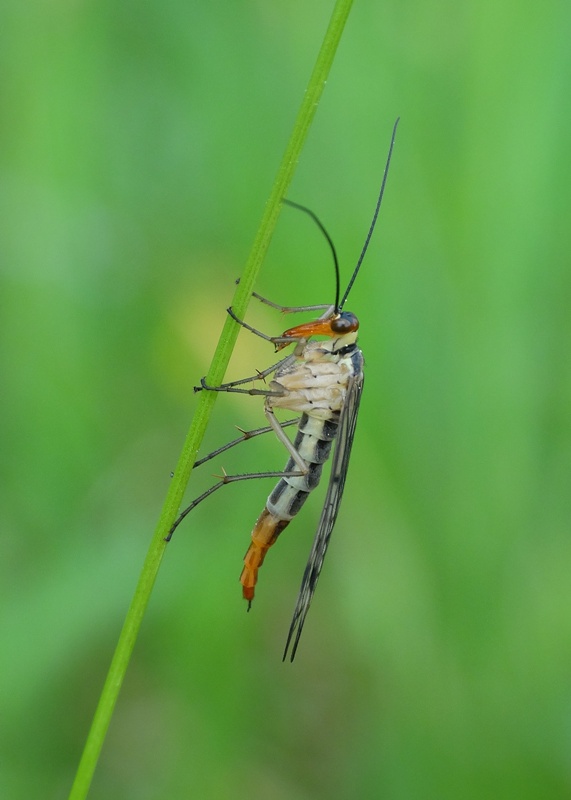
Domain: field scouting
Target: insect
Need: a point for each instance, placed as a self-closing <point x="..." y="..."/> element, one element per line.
<point x="322" y="380"/>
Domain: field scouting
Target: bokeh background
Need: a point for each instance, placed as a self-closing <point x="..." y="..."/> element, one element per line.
<point x="138" y="144"/>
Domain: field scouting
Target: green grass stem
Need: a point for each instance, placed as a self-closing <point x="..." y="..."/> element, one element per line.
<point x="206" y="400"/>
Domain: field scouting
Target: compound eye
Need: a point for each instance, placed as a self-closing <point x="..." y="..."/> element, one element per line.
<point x="346" y="322"/>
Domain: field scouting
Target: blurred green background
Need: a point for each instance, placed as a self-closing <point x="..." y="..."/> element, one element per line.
<point x="138" y="144"/>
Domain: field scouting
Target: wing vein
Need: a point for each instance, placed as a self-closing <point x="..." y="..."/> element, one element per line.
<point x="340" y="463"/>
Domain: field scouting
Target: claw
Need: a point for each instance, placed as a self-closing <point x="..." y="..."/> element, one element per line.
<point x="230" y="311"/>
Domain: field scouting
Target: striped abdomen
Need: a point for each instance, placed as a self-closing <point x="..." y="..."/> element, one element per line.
<point x="313" y="443"/>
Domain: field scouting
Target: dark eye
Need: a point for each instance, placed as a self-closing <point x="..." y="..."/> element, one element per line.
<point x="346" y="322"/>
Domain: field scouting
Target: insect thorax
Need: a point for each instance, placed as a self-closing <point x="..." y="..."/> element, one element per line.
<point x="316" y="383"/>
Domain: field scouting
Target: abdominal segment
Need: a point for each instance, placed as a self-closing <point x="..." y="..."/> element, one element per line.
<point x="313" y="443"/>
<point x="266" y="531"/>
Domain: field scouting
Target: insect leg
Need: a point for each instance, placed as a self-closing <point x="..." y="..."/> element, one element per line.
<point x="222" y="482"/>
<point x="290" y="309"/>
<point x="228" y="478"/>
<point x="224" y="387"/>
<point x="283" y="340"/>
<point x="278" y="430"/>
<point x="244" y="438"/>
<point x="284" y="309"/>
<point x="262" y="392"/>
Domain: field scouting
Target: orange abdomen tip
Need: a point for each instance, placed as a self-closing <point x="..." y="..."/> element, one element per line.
<point x="253" y="560"/>
<point x="266" y="531"/>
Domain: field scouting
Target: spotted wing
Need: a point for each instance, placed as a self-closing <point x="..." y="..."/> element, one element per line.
<point x="340" y="463"/>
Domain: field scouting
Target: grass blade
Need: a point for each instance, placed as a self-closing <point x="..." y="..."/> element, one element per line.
<point x="128" y="636"/>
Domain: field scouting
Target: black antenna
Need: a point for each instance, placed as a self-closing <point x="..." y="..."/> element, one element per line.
<point x="375" y="215"/>
<point x="331" y="245"/>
